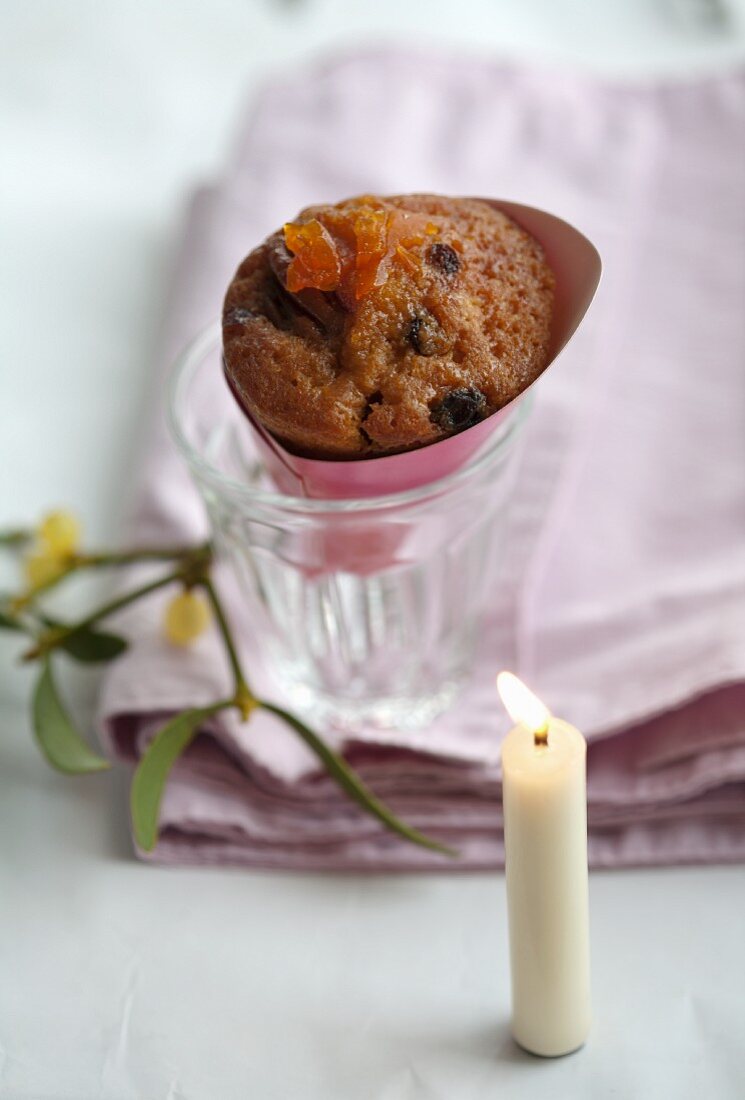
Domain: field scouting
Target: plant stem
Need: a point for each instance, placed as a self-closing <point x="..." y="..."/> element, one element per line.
<point x="145" y="553"/>
<point x="54" y="637"/>
<point x="15" y="538"/>
<point x="244" y="697"/>
<point x="127" y="598"/>
<point x="195" y="555"/>
<point x="24" y="627"/>
<point x="20" y="602"/>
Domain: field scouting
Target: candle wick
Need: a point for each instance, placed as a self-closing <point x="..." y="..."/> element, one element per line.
<point x="540" y="736"/>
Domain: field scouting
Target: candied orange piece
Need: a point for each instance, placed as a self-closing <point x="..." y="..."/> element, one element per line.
<point x="408" y="259"/>
<point x="371" y="237"/>
<point x="409" y="229"/>
<point x="351" y="250"/>
<point x="315" y="261"/>
<point x="367" y="278"/>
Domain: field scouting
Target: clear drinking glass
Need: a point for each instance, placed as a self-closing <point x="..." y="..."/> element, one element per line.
<point x="369" y="609"/>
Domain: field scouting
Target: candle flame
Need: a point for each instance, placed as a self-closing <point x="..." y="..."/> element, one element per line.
<point x="522" y="705"/>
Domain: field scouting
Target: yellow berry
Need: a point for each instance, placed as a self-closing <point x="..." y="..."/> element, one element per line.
<point x="187" y="616"/>
<point x="60" y="533"/>
<point x="40" y="567"/>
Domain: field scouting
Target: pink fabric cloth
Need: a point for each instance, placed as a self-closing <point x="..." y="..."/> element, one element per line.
<point x="624" y="599"/>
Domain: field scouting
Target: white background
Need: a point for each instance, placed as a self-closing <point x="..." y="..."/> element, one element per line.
<point x="124" y="981"/>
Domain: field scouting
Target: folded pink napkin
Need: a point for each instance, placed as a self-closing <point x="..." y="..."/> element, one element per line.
<point x="623" y="602"/>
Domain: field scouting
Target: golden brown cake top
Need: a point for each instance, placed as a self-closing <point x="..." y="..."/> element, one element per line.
<point x="382" y="324"/>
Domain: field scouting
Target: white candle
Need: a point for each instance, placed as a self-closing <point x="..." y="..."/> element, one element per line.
<point x="545" y="838"/>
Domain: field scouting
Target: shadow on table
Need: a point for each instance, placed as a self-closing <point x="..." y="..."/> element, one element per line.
<point x="432" y="1062"/>
<point x="492" y="1043"/>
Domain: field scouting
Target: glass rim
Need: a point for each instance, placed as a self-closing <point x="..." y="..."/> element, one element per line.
<point x="181" y="374"/>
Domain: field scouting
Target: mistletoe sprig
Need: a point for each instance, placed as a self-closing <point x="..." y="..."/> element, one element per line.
<point x="50" y="554"/>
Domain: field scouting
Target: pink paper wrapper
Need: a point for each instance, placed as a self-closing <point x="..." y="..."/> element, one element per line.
<point x="576" y="264"/>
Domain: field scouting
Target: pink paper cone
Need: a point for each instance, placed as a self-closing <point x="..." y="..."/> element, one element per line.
<point x="576" y="264"/>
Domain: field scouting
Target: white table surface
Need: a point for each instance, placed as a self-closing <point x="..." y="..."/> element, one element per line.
<point x="119" y="980"/>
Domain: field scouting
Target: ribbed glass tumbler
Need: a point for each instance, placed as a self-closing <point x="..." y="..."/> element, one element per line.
<point x="368" y="609"/>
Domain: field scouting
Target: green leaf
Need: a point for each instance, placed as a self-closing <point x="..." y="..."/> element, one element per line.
<point x="152" y="772"/>
<point x="60" y="742"/>
<point x="87" y="645"/>
<point x="93" y="646"/>
<point x="350" y="782"/>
